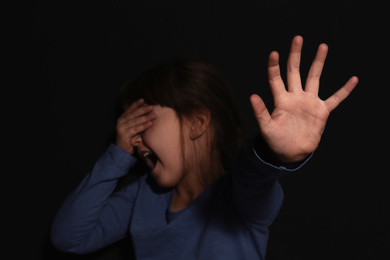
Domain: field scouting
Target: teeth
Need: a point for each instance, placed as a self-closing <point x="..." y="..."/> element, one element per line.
<point x="150" y="158"/>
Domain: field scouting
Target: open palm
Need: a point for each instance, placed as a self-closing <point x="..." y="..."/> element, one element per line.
<point x="295" y="127"/>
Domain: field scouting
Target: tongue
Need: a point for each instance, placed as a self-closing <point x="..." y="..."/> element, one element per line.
<point x="151" y="161"/>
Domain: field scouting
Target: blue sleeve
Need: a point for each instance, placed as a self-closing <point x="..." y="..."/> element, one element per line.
<point x="257" y="192"/>
<point x="94" y="216"/>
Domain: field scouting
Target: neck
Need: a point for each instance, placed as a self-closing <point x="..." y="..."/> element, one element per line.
<point x="184" y="195"/>
<point x="195" y="182"/>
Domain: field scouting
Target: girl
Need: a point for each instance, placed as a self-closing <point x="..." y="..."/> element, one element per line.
<point x="199" y="199"/>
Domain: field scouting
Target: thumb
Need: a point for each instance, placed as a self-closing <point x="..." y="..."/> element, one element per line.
<point x="136" y="140"/>
<point x="260" y="110"/>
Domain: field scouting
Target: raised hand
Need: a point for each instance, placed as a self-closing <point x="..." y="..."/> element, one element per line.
<point x="295" y="127"/>
<point x="136" y="119"/>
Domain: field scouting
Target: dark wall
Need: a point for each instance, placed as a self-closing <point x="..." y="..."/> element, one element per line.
<point x="335" y="207"/>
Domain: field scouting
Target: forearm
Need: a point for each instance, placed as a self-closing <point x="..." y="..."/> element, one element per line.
<point x="79" y="224"/>
<point x="255" y="180"/>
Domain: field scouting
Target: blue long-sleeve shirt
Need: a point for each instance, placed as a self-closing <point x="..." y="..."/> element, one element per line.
<point x="229" y="220"/>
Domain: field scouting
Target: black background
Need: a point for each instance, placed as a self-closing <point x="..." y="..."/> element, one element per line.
<point x="336" y="207"/>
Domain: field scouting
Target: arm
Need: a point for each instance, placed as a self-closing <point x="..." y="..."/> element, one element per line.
<point x="257" y="192"/>
<point x="292" y="132"/>
<point x="93" y="216"/>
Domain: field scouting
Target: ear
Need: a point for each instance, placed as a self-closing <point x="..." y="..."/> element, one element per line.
<point x="200" y="121"/>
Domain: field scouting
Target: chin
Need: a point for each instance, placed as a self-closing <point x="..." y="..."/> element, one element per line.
<point x="163" y="182"/>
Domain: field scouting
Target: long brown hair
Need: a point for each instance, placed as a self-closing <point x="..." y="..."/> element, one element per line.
<point x="188" y="85"/>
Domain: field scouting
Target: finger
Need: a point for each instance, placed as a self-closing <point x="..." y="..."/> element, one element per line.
<point x="139" y="111"/>
<point x="274" y="78"/>
<point x="333" y="101"/>
<point x="313" y="78"/>
<point x="143" y="110"/>
<point x="140" y="128"/>
<point x="294" y="59"/>
<point x="129" y="110"/>
<point x="134" y="106"/>
<point x="138" y="121"/>
<point x="129" y="133"/>
<point x="260" y="111"/>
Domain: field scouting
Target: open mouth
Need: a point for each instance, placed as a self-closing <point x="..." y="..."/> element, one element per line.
<point x="150" y="159"/>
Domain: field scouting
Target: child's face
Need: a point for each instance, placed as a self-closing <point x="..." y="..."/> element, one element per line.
<point x="161" y="147"/>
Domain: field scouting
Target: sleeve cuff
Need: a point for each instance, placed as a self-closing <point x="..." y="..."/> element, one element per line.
<point x="115" y="162"/>
<point x="285" y="166"/>
<point x="120" y="156"/>
<point x="264" y="154"/>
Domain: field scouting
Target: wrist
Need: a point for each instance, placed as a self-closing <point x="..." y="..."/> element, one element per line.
<point x="289" y="158"/>
<point x="266" y="153"/>
<point x="124" y="146"/>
